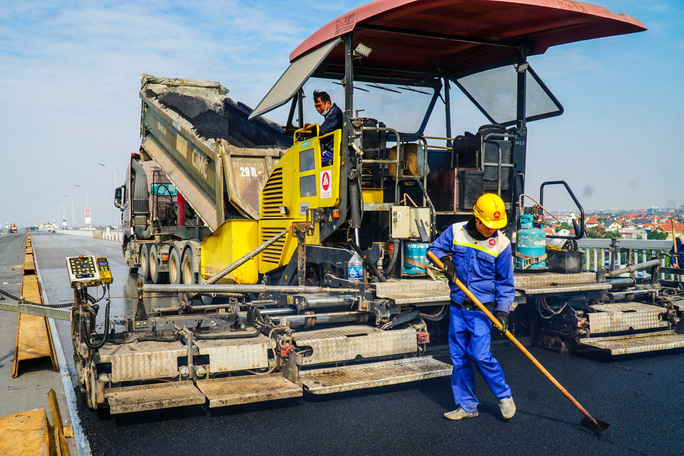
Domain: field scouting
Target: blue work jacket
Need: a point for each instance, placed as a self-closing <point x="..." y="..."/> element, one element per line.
<point x="333" y="120"/>
<point x="483" y="266"/>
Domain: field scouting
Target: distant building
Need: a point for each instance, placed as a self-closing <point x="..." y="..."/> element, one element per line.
<point x="667" y="227"/>
<point x="591" y="222"/>
<point x="568" y="218"/>
<point x="641" y="221"/>
<point x="615" y="226"/>
<point x="633" y="233"/>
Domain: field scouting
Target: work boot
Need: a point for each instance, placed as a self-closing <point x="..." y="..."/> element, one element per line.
<point x="507" y="407"/>
<point x="459" y="414"/>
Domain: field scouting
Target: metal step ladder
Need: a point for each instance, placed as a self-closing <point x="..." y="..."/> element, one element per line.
<point x="156" y="396"/>
<point x="630" y="316"/>
<point x="247" y="389"/>
<point x="414" y="291"/>
<point x="636" y="343"/>
<point x="371" y="375"/>
<point x="531" y="284"/>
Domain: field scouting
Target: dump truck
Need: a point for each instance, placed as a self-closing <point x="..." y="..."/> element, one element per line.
<point x="287" y="274"/>
<point x="200" y="163"/>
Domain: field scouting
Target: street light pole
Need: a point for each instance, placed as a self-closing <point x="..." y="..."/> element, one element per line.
<point x="73" y="221"/>
<point x="59" y="222"/>
<point x="86" y="190"/>
<point x="113" y="169"/>
<point x="86" y="194"/>
<point x="115" y="183"/>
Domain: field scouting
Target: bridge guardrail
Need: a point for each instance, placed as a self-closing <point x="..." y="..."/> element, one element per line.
<point x="109" y="235"/>
<point x="620" y="252"/>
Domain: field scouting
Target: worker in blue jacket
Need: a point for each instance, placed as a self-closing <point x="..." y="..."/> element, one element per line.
<point x="478" y="255"/>
<point x="333" y="121"/>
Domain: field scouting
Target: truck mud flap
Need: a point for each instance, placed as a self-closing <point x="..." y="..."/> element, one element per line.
<point x="247" y="389"/>
<point x="636" y="343"/>
<point x="371" y="375"/>
<point x="152" y="397"/>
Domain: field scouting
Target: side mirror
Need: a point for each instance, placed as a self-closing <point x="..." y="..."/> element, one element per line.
<point x="119" y="197"/>
<point x="578" y="225"/>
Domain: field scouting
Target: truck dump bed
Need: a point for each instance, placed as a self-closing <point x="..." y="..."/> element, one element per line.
<point x="204" y="143"/>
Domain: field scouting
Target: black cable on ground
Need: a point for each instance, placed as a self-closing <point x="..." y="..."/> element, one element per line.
<point x="23" y="301"/>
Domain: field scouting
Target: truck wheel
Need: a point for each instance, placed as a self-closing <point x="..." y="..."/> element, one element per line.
<point x="128" y="254"/>
<point x="188" y="271"/>
<point x="144" y="270"/>
<point x="175" y="273"/>
<point x="155" y="260"/>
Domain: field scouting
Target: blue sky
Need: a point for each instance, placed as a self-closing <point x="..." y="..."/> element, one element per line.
<point x="69" y="78"/>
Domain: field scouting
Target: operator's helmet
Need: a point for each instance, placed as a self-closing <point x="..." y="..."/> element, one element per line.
<point x="491" y="211"/>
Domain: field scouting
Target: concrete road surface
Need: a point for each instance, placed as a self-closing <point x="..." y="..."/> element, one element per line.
<point x="640" y="396"/>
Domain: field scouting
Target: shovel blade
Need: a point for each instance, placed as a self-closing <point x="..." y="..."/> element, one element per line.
<point x="597" y="425"/>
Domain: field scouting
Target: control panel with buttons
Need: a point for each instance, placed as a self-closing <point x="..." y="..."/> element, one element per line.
<point x="88" y="271"/>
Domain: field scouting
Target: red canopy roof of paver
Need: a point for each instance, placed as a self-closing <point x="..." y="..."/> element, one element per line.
<point x="420" y="34"/>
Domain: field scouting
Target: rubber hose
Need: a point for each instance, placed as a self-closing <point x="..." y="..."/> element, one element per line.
<point x="368" y="263"/>
<point x="443" y="313"/>
<point x="393" y="259"/>
<point x="104" y="335"/>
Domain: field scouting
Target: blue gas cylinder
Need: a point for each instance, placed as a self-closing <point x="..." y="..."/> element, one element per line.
<point x="417" y="252"/>
<point x="530" y="242"/>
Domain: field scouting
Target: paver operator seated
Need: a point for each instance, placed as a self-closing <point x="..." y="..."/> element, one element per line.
<point x="333" y="121"/>
<point x="478" y="254"/>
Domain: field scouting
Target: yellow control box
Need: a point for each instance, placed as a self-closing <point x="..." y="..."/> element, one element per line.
<point x="103" y="268"/>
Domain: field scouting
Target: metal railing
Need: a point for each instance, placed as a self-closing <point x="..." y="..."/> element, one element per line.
<point x="600" y="253"/>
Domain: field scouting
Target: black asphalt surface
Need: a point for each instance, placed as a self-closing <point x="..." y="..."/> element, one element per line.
<point x="642" y="397"/>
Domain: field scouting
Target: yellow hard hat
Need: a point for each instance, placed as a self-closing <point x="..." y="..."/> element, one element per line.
<point x="491" y="211"/>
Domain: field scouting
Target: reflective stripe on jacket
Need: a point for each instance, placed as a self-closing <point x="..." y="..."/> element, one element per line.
<point x="485" y="267"/>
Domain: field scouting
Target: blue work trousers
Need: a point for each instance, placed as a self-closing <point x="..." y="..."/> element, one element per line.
<point x="470" y="340"/>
